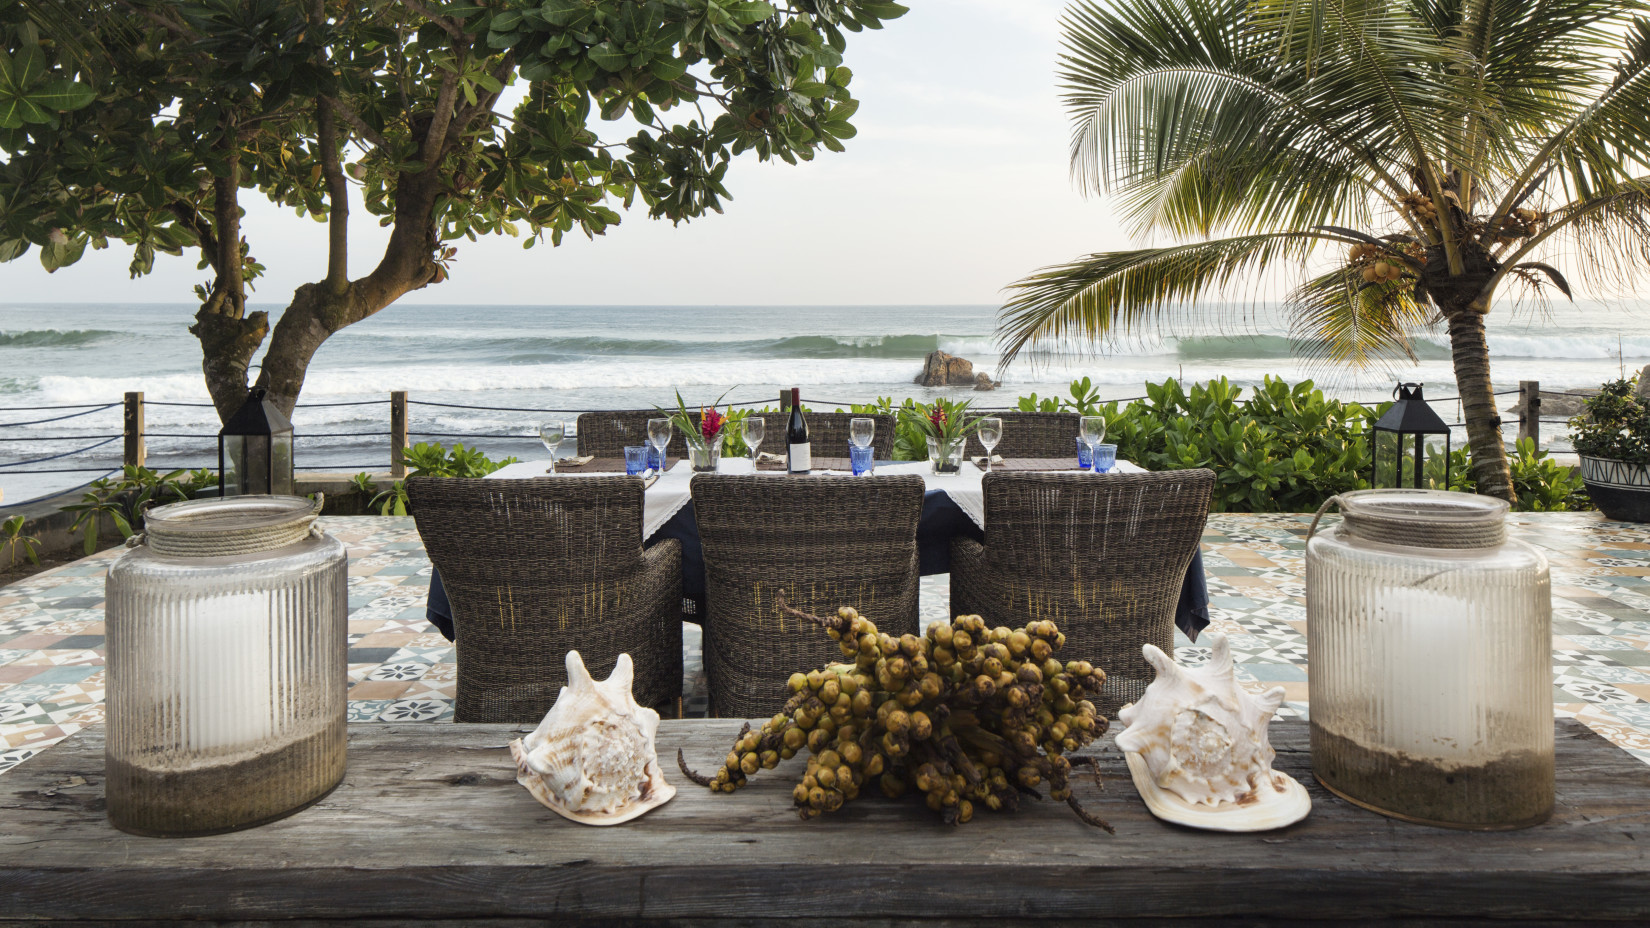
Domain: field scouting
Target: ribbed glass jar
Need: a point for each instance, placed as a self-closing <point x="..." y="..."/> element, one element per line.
<point x="227" y="629"/>
<point x="1429" y="635"/>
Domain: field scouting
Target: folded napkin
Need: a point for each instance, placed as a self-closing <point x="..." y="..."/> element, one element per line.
<point x="980" y="461"/>
<point x="649" y="481"/>
<point x="579" y="461"/>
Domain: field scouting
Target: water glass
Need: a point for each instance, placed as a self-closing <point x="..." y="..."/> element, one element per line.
<point x="1093" y="431"/>
<point x="1105" y="458"/>
<point x="861" y="431"/>
<point x="658" y="435"/>
<point x="1085" y="455"/>
<point x="635" y="459"/>
<point x="990" y="432"/>
<point x="860" y="458"/>
<point x="754" y="428"/>
<point x="552" y="433"/>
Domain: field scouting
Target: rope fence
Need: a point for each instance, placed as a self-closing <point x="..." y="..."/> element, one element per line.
<point x="55" y="457"/>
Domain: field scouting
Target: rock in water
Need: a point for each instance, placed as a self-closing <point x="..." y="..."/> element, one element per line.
<point x="940" y="369"/>
<point x="983" y="381"/>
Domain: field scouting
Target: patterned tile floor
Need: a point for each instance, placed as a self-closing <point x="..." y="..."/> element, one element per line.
<point x="400" y="669"/>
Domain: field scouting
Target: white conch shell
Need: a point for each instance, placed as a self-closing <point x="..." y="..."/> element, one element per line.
<point x="592" y="759"/>
<point x="1197" y="748"/>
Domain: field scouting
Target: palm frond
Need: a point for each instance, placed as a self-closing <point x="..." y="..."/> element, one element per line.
<point x="1339" y="320"/>
<point x="1106" y="295"/>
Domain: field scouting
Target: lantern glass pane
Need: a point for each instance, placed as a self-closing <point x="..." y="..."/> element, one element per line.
<point x="281" y="482"/>
<point x="234" y="464"/>
<point x="1389" y="459"/>
<point x="253" y="464"/>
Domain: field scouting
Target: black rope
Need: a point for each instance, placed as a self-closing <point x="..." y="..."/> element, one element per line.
<point x="56" y="493"/>
<point x="61" y="470"/>
<point x="356" y="403"/>
<point x="63" y="455"/>
<point x="191" y="405"/>
<point x="212" y="435"/>
<point x="67" y="406"/>
<point x="59" y="418"/>
<point x="297" y="434"/>
<point x="62" y="437"/>
<point x="495" y="408"/>
<point x="463" y="435"/>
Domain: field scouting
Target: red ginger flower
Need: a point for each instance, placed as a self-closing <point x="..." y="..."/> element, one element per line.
<point x="710" y="423"/>
<point x="937" y="416"/>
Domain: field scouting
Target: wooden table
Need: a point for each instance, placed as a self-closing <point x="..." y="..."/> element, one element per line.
<point x="430" y="824"/>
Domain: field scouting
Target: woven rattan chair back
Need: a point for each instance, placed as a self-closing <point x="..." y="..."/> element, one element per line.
<point x="535" y="568"/>
<point x="1033" y="435"/>
<point x="1104" y="557"/>
<point x="828" y="433"/>
<point x="825" y="542"/>
<point x="606" y="433"/>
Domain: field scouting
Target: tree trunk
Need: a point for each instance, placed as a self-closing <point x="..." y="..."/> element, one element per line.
<point x="1471" y="355"/>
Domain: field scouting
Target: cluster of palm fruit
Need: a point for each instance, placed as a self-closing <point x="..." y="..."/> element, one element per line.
<point x="1520" y="223"/>
<point x="967" y="715"/>
<point x="1375" y="266"/>
<point x="1421" y="205"/>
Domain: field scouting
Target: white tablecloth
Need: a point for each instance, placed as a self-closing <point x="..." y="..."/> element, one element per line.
<point x="670" y="493"/>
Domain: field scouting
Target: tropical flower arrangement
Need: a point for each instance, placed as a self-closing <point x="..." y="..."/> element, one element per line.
<point x="945" y="425"/>
<point x="704" y="437"/>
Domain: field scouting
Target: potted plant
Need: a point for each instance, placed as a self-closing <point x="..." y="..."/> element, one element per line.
<point x="945" y="427"/>
<point x="1612" y="437"/>
<point x="704" y="437"/>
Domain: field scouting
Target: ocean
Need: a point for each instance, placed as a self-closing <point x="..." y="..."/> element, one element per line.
<point x="595" y="357"/>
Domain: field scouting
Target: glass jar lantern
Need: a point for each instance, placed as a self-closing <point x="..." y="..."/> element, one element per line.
<point x="227" y="629"/>
<point x="1430" y="639"/>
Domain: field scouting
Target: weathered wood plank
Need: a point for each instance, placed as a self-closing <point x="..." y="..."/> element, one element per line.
<point x="430" y="824"/>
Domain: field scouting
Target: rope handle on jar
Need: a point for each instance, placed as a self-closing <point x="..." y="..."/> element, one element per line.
<point x="1331" y="501"/>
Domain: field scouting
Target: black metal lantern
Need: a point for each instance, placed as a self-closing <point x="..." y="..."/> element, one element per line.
<point x="1400" y="441"/>
<point x="255" y="450"/>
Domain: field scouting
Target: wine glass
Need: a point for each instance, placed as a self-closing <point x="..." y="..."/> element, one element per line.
<point x="1094" y="431"/>
<point x="755" y="429"/>
<point x="552" y="433"/>
<point x="658" y="435"/>
<point x="861" y="431"/>
<point x="990" y="432"/>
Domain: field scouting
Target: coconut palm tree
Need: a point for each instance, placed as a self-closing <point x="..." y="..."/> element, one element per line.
<point x="1448" y="149"/>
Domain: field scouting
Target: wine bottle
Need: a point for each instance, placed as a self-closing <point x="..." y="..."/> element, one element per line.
<point x="798" y="450"/>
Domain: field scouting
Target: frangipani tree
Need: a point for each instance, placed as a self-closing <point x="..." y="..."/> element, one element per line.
<point x="147" y="121"/>
<point x="1410" y="160"/>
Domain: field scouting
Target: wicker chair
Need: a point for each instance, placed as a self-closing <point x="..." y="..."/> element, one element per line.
<point x="606" y="433"/>
<point x="1033" y="435"/>
<point x="1104" y="557"/>
<point x="825" y="542"/>
<point x="535" y="568"/>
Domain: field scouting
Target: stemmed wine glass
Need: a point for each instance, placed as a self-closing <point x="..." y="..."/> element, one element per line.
<point x="755" y="429"/>
<point x="552" y="433"/>
<point x="1094" y="432"/>
<point x="860" y="432"/>
<point x="658" y="435"/>
<point x="990" y="432"/>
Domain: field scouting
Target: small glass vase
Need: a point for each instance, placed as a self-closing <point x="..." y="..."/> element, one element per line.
<point x="946" y="455"/>
<point x="704" y="459"/>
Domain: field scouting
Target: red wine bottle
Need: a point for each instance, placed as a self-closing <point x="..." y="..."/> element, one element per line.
<point x="798" y="450"/>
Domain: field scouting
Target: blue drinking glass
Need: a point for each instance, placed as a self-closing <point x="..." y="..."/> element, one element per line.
<point x="1105" y="457"/>
<point x="655" y="459"/>
<point x="861" y="460"/>
<point x="635" y="459"/>
<point x="1085" y="455"/>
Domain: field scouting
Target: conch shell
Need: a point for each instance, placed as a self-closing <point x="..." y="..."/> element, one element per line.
<point x="592" y="759"/>
<point x="1197" y="749"/>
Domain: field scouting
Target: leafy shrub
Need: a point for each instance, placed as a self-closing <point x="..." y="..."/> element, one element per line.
<point x="432" y="459"/>
<point x="123" y="500"/>
<point x="1615" y="425"/>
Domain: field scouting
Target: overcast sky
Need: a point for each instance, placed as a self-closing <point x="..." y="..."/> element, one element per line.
<point x="955" y="187"/>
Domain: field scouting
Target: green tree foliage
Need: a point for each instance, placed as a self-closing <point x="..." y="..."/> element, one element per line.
<point x="145" y="122"/>
<point x="1445" y="148"/>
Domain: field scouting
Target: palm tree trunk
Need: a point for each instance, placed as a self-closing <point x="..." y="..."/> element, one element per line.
<point x="1471" y="355"/>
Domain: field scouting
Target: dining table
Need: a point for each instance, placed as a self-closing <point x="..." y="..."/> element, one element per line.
<point x="953" y="506"/>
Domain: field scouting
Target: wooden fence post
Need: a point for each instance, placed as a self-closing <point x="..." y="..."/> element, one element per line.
<point x="398" y="434"/>
<point x="1529" y="415"/>
<point x="132" y="426"/>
